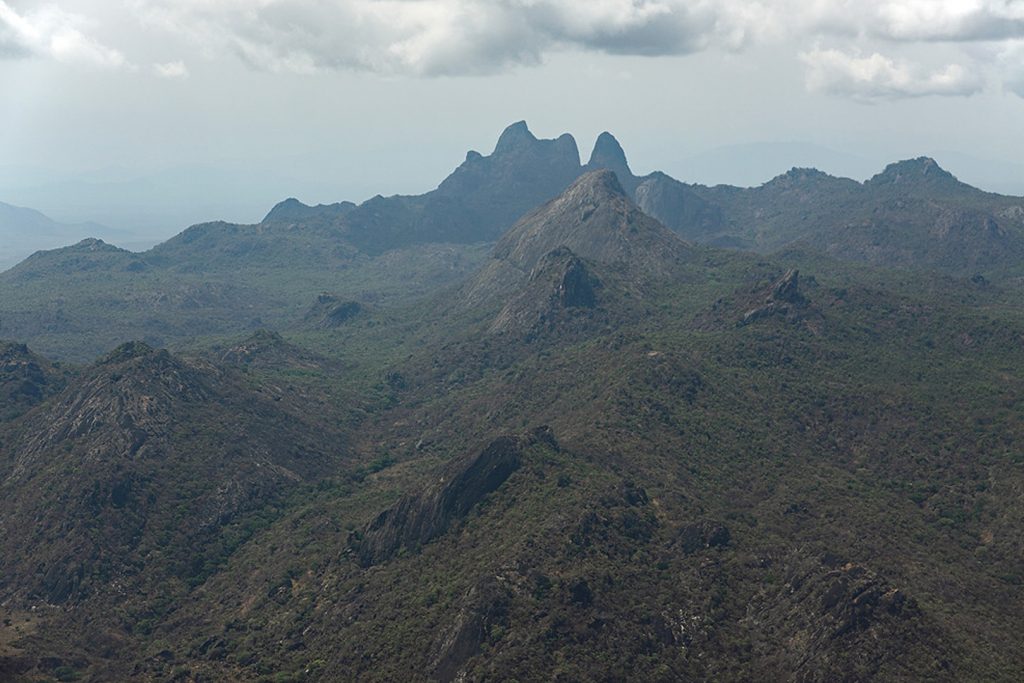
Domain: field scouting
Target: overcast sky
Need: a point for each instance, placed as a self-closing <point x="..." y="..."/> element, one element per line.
<point x="255" y="100"/>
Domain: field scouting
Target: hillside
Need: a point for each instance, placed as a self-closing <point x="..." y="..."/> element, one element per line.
<point x="607" y="454"/>
<point x="913" y="214"/>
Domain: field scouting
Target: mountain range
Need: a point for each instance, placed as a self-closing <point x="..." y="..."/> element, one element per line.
<point x="222" y="278"/>
<point x="551" y="421"/>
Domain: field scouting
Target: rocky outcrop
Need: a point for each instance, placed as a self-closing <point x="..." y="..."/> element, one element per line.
<point x="561" y="285"/>
<point x="845" y="622"/>
<point x="26" y="379"/>
<point x="476" y="203"/>
<point x="420" y="518"/>
<point x="787" y="289"/>
<point x="784" y="299"/>
<point x="484" y="607"/>
<point x="268" y="350"/>
<point x="330" y="311"/>
<point x="576" y="286"/>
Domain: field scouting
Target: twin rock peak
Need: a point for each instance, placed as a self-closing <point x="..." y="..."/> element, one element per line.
<point x="607" y="152"/>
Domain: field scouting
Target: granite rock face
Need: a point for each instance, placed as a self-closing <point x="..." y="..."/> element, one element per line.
<point x="417" y="519"/>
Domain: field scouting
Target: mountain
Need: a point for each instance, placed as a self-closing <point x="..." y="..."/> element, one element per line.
<point x="227" y="279"/>
<point x="912" y="214"/>
<point x="692" y="493"/>
<point x="597" y="220"/>
<point x="749" y="164"/>
<point x="143" y="474"/>
<point x="584" y="450"/>
<point x="23" y="231"/>
<point x="575" y="259"/>
<point x="476" y="203"/>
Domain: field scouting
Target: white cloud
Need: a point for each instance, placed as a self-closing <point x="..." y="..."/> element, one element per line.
<point x="469" y="37"/>
<point x="466" y="37"/>
<point x="433" y="37"/>
<point x="879" y="77"/>
<point x="950" y="20"/>
<point x="171" y="69"/>
<point x="909" y="20"/>
<point x="49" y="31"/>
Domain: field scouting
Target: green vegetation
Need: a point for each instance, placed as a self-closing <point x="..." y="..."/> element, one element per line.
<point x="605" y="456"/>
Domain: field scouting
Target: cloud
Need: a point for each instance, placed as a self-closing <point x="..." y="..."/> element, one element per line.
<point x="49" y="31"/>
<point x="449" y="37"/>
<point x="909" y="20"/>
<point x="171" y="70"/>
<point x="879" y="77"/>
<point x="950" y="20"/>
<point x="474" y="37"/>
<point x="1010" y="59"/>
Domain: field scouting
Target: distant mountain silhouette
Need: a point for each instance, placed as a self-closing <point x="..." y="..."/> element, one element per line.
<point x="476" y="203"/>
<point x="23" y="231"/>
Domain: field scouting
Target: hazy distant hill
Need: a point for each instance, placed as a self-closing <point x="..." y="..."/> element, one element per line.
<point x="23" y="231"/>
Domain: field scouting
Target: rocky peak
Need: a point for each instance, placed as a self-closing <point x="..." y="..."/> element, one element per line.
<point x="798" y="176"/>
<point x="128" y="351"/>
<point x="261" y="342"/>
<point x="289" y="208"/>
<point x="597" y="221"/>
<point x="608" y="154"/>
<point x="515" y="137"/>
<point x="13" y="352"/>
<point x="292" y="209"/>
<point x="921" y="169"/>
<point x="94" y="244"/>
<point x="598" y="185"/>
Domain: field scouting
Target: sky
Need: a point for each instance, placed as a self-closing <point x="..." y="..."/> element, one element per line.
<point x="148" y="115"/>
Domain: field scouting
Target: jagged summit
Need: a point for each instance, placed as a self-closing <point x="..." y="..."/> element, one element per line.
<point x="127" y="351"/>
<point x="95" y="244"/>
<point x="597" y="220"/>
<point x="797" y="176"/>
<point x="516" y="135"/>
<point x="921" y="169"/>
<point x="599" y="184"/>
<point x="608" y="154"/>
<point x="518" y="138"/>
<point x="292" y="209"/>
